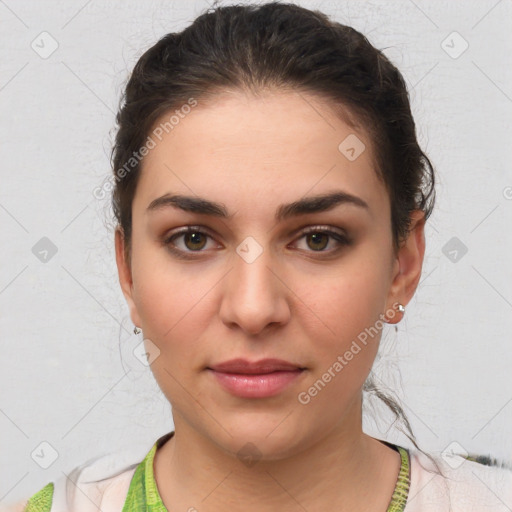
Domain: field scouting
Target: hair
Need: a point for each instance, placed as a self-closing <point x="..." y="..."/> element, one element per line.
<point x="279" y="47"/>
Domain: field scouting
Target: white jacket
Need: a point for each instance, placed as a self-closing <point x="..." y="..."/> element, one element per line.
<point x="102" y="483"/>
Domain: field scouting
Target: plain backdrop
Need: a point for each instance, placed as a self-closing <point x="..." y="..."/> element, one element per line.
<point x="69" y="379"/>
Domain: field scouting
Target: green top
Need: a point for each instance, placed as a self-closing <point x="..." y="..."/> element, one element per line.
<point x="143" y="495"/>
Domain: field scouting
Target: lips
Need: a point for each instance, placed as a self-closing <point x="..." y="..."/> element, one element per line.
<point x="259" y="379"/>
<point x="242" y="366"/>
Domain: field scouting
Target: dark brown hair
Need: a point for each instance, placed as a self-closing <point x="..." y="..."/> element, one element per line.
<point x="283" y="46"/>
<point x="279" y="46"/>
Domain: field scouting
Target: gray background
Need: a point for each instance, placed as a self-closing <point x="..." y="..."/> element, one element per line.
<point x="68" y="375"/>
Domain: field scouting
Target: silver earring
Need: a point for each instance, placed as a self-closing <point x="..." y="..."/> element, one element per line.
<point x="136" y="330"/>
<point x="400" y="308"/>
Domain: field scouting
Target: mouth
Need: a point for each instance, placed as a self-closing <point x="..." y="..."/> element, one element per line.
<point x="259" y="379"/>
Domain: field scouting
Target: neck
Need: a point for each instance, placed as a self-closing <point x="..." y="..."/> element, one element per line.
<point x="335" y="470"/>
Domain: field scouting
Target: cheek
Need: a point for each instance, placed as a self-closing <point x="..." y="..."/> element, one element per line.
<point x="172" y="309"/>
<point x="171" y="303"/>
<point x="341" y="318"/>
<point x="345" y="351"/>
<point x="345" y="303"/>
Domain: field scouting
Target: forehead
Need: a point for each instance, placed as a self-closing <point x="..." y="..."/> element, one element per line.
<point x="270" y="147"/>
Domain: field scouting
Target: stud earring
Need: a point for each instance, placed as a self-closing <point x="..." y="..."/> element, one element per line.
<point x="401" y="309"/>
<point x="136" y="330"/>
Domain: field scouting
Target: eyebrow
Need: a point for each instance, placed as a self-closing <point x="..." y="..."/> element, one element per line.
<point x="314" y="204"/>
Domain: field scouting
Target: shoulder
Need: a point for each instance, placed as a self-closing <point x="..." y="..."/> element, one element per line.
<point x="100" y="483"/>
<point x="474" y="484"/>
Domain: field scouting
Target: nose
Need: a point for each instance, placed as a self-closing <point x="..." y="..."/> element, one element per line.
<point x="255" y="296"/>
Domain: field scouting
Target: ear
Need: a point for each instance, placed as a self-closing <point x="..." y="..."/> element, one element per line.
<point x="125" y="275"/>
<point x="407" y="266"/>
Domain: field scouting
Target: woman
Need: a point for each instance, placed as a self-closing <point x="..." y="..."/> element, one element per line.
<point x="271" y="200"/>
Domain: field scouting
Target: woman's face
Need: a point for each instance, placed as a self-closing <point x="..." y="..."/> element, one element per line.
<point x="248" y="282"/>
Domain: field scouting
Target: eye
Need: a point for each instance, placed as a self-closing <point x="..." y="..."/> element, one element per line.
<point x="194" y="240"/>
<point x="318" y="237"/>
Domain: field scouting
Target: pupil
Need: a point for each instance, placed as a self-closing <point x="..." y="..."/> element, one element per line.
<point x="195" y="238"/>
<point x="317" y="238"/>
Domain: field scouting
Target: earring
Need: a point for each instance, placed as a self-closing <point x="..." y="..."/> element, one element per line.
<point x="400" y="308"/>
<point x="136" y="330"/>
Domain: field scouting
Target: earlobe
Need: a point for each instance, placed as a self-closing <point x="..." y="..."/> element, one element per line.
<point x="408" y="264"/>
<point x="125" y="275"/>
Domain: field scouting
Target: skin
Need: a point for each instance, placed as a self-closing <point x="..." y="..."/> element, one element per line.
<point x="295" y="302"/>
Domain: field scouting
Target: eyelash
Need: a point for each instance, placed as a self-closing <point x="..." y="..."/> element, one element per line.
<point x="341" y="239"/>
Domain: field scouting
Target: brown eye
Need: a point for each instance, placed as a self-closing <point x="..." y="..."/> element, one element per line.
<point x="196" y="238"/>
<point x="319" y="240"/>
<point x="188" y="240"/>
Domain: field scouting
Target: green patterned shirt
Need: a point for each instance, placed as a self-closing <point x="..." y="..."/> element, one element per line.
<point x="143" y="495"/>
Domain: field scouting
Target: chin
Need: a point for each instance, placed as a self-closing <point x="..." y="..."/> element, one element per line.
<point x="268" y="438"/>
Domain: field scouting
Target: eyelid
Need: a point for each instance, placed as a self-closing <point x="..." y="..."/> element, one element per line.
<point x="187" y="229"/>
<point x="323" y="228"/>
<point x="299" y="231"/>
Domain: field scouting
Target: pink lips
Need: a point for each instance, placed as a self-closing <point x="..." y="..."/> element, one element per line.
<point x="258" y="379"/>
